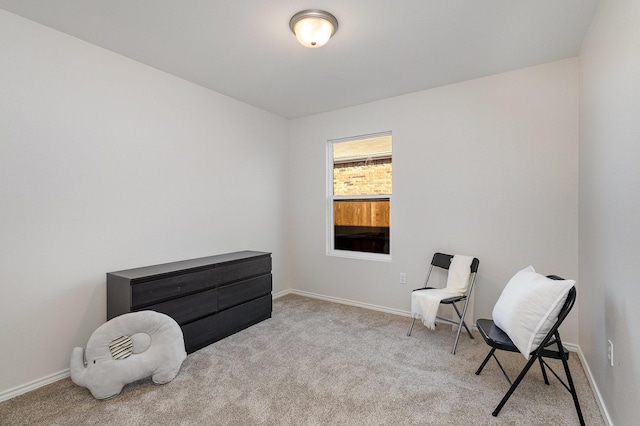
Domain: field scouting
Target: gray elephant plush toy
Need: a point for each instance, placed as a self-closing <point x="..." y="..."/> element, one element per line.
<point x="127" y="348"/>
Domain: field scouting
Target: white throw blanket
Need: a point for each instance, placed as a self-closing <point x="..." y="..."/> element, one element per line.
<point x="425" y="303"/>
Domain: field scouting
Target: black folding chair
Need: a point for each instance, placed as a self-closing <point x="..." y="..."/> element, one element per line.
<point x="441" y="260"/>
<point x="551" y="347"/>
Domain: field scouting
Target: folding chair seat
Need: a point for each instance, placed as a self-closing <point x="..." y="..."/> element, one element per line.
<point x="443" y="261"/>
<point x="550" y="347"/>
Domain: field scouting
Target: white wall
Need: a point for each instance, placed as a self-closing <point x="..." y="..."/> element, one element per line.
<point x="487" y="168"/>
<point x="107" y="164"/>
<point x="610" y="204"/>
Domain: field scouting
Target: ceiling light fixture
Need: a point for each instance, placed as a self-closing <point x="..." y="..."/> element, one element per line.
<point x="313" y="28"/>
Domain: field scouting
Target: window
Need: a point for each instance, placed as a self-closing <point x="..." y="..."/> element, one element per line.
<point x="359" y="206"/>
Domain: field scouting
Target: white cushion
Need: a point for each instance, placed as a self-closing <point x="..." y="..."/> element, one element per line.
<point x="529" y="306"/>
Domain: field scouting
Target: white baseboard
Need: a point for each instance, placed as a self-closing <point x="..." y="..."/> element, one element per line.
<point x="571" y="347"/>
<point x="363" y="305"/>
<point x="352" y="303"/>
<point x="38" y="383"/>
<point x="281" y="293"/>
<point x="594" y="388"/>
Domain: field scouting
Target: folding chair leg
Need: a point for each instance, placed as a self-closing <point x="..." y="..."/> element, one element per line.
<point x="514" y="386"/>
<point x="413" y="321"/>
<point x="455" y="343"/>
<point x="485" y="361"/>
<point x="572" y="388"/>
<point x="544" y="372"/>
<point x="461" y="316"/>
<point x="460" y="325"/>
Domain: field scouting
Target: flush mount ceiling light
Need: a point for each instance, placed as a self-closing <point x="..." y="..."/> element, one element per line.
<point x="313" y="28"/>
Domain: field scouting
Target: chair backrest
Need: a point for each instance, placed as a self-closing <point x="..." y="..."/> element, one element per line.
<point x="443" y="261"/>
<point x="564" y="311"/>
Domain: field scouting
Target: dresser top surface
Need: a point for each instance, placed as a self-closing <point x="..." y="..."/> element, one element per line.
<point x="202" y="262"/>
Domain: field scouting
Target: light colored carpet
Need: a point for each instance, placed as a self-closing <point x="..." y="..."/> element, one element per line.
<point x="321" y="363"/>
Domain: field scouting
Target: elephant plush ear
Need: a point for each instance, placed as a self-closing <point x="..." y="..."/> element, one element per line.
<point x="141" y="342"/>
<point x="121" y="347"/>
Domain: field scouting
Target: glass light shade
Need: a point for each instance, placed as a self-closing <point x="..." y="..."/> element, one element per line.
<point x="313" y="28"/>
<point x="313" y="32"/>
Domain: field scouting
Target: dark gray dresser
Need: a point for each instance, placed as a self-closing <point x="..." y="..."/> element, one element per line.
<point x="210" y="297"/>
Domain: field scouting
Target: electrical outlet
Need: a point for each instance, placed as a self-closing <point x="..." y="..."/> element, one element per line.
<point x="403" y="278"/>
<point x="610" y="352"/>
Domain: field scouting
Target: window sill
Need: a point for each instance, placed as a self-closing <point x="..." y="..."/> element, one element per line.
<point x="377" y="257"/>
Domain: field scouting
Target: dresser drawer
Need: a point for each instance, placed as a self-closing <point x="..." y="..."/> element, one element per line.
<point x="244" y="315"/>
<point x="145" y="293"/>
<point x="242" y="270"/>
<point x="242" y="291"/>
<point x="201" y="333"/>
<point x="189" y="308"/>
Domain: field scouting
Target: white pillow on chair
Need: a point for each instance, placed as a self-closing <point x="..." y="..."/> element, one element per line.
<point x="529" y="306"/>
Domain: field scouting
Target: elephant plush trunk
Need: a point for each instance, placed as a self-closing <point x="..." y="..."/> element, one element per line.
<point x="77" y="366"/>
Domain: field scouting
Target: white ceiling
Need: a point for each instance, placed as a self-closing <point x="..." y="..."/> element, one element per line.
<point x="383" y="48"/>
